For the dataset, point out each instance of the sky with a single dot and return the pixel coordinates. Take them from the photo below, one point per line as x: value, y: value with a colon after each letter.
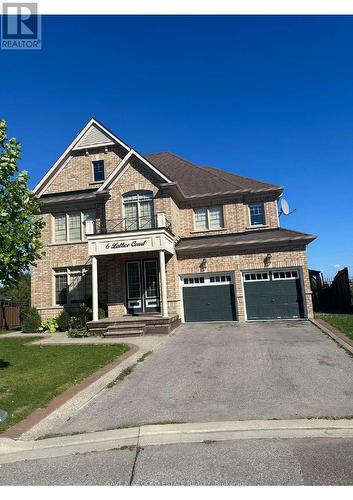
x: 268, y: 97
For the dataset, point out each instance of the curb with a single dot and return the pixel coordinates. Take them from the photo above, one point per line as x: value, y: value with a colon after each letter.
x: 153, y: 435
x: 338, y: 338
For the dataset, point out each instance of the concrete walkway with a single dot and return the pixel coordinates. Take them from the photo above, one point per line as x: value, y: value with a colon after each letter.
x: 61, y: 338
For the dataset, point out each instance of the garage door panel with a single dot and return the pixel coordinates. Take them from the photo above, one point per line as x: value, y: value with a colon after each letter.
x: 209, y: 303
x: 272, y: 299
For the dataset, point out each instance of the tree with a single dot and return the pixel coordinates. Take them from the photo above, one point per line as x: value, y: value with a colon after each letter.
x: 20, y: 222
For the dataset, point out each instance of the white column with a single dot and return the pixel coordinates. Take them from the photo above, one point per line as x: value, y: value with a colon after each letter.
x: 94, y: 288
x: 163, y: 283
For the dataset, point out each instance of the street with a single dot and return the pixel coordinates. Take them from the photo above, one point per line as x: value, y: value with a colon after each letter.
x: 315, y: 461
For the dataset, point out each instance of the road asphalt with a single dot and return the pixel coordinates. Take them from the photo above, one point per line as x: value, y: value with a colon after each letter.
x: 315, y: 461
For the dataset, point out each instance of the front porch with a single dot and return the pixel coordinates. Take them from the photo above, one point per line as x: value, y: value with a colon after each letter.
x: 129, y: 277
x: 130, y: 325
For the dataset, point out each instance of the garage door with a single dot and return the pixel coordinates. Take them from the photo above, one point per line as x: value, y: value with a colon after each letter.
x: 209, y: 298
x: 273, y: 294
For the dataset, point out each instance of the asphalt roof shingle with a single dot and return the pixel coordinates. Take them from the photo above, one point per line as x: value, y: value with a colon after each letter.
x: 196, y: 180
x: 266, y: 237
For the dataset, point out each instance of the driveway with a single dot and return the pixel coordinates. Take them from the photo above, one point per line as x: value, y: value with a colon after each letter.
x: 210, y: 372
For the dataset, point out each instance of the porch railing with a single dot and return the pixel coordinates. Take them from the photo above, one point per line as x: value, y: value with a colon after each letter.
x: 123, y: 225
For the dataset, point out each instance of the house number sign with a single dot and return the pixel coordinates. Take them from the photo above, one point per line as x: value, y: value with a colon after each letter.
x: 123, y: 244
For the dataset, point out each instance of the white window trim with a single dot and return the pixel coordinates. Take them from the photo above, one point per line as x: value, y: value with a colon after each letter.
x: 286, y: 278
x: 256, y: 272
x: 196, y: 230
x: 207, y: 279
x: 67, y: 241
x: 264, y: 220
x: 138, y: 201
x: 93, y: 179
x: 68, y: 271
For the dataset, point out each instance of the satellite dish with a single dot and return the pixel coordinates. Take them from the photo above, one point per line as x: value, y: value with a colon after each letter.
x: 284, y: 206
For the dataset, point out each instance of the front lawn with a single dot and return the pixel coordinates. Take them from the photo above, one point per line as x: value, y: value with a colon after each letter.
x: 3, y: 330
x: 31, y: 376
x: 343, y: 322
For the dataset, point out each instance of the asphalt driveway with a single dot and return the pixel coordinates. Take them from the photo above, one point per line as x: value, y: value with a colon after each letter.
x: 210, y: 372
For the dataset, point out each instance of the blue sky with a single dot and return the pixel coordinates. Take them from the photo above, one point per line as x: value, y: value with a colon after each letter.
x: 268, y: 97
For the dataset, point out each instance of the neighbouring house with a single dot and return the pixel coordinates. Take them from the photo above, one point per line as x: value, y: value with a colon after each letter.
x: 155, y: 240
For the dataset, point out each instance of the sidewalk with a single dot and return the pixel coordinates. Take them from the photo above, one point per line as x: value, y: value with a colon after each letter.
x: 162, y: 434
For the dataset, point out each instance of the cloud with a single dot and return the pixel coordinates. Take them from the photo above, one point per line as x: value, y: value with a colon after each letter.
x: 337, y: 266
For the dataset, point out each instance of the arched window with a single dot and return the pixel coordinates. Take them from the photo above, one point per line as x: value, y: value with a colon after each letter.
x: 138, y: 209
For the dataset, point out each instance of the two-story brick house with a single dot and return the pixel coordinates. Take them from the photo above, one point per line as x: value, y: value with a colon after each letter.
x: 160, y: 237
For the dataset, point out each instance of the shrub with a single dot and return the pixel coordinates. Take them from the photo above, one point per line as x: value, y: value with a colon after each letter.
x: 101, y: 313
x: 50, y: 325
x: 63, y: 321
x: 32, y: 321
x: 78, y: 332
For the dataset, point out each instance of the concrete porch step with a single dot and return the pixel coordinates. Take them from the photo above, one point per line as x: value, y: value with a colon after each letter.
x: 124, y: 331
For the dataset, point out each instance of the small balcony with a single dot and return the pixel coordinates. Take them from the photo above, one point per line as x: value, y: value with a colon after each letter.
x: 126, y: 225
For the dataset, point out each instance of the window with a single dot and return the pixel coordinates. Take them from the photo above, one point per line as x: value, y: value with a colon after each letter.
x: 208, y: 218
x: 72, y: 286
x: 285, y: 275
x: 257, y: 216
x: 71, y: 227
x: 138, y: 208
x: 256, y: 277
x: 75, y: 226
x: 60, y: 228
x: 207, y: 280
x: 98, y: 171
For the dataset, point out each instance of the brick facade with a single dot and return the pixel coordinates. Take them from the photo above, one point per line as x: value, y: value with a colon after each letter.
x: 76, y: 175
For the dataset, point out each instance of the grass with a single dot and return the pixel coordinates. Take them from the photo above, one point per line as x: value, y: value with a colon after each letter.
x: 31, y: 376
x: 3, y: 330
x: 343, y: 322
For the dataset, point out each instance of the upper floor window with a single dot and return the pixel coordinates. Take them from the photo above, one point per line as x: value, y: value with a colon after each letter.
x: 71, y: 227
x: 257, y: 215
x: 138, y: 209
x: 208, y: 218
x: 98, y: 170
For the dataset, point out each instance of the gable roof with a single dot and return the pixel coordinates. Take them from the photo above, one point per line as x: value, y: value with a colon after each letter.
x: 196, y: 181
x: 94, y: 136
x: 184, y: 178
x: 93, y: 130
x: 120, y: 168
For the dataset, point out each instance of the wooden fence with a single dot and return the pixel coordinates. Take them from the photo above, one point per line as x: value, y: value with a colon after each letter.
x: 332, y: 294
x: 9, y: 314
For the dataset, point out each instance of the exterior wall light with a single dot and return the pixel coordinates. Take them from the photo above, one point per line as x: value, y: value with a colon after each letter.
x: 203, y: 265
x: 268, y: 260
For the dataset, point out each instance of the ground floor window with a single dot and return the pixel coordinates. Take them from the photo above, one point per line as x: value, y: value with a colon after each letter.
x: 73, y: 285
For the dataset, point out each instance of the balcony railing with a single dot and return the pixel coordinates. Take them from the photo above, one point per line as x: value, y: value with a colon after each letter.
x: 109, y: 226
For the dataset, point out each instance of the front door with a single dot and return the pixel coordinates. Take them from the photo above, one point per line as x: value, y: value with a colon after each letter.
x: 142, y: 286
